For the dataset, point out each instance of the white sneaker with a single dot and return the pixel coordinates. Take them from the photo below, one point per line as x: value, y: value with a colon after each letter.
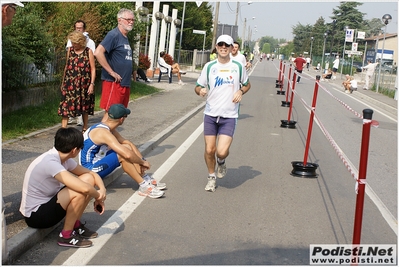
x: 148, y: 80
x: 71, y: 120
x: 154, y: 182
x: 181, y: 83
x: 148, y: 190
x: 211, y: 185
x: 79, y: 121
x: 221, y: 170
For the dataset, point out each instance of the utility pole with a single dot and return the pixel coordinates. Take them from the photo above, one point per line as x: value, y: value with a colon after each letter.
x: 215, y: 25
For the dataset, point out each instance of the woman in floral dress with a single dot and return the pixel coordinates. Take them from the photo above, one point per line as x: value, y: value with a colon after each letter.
x: 77, y: 89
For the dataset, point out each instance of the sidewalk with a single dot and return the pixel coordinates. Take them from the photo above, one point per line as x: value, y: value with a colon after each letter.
x: 152, y: 120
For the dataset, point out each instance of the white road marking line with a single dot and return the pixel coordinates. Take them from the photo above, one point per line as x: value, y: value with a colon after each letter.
x: 82, y: 256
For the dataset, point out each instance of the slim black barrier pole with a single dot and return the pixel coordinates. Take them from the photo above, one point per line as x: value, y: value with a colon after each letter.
x: 286, y: 103
x: 289, y: 123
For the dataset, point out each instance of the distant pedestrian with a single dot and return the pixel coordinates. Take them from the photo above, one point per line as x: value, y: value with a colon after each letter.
x: 236, y: 55
x: 77, y: 89
x: 299, y: 63
x: 370, y: 68
x: 308, y: 63
x: 335, y: 67
x: 213, y: 55
x: 80, y: 25
x: 327, y: 65
x: 224, y: 82
x: 56, y: 187
x: 115, y: 56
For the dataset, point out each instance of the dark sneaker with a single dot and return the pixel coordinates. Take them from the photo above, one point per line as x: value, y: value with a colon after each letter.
x: 85, y: 232
x: 74, y: 241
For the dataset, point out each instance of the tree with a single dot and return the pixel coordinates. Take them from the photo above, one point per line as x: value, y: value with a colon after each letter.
x: 374, y: 27
x: 347, y: 15
x: 195, y: 18
x: 26, y: 41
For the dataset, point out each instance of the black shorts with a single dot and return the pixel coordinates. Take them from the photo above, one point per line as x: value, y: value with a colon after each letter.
x: 335, y: 69
x: 48, y: 214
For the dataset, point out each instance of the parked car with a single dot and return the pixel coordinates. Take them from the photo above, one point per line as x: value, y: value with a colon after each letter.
x: 358, y: 66
x: 388, y: 67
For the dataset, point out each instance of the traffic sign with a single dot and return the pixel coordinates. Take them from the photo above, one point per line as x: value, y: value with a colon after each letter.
x: 199, y: 32
x: 350, y: 52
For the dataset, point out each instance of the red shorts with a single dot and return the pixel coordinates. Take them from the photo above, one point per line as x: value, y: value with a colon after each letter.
x: 114, y: 93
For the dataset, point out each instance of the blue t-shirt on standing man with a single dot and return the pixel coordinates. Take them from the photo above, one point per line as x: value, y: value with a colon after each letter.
x: 119, y: 56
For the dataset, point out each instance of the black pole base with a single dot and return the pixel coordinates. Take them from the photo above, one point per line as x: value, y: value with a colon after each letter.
x: 285, y: 103
x: 288, y: 124
x: 308, y: 171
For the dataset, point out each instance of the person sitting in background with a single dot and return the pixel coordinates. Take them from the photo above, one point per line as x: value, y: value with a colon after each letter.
x: 352, y: 85
x: 347, y: 83
x: 140, y: 72
x: 172, y: 69
x: 326, y: 75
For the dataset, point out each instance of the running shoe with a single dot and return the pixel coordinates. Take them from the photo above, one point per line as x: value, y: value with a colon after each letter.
x: 148, y: 190
x: 221, y: 170
x: 211, y: 185
x: 79, y: 121
x: 154, y: 182
x: 74, y: 241
x: 71, y: 120
x: 85, y: 232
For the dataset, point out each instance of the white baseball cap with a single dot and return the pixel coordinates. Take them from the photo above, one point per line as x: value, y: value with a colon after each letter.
x: 12, y: 3
x: 225, y: 38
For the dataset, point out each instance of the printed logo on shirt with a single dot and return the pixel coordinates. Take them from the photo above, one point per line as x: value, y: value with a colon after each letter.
x: 221, y: 81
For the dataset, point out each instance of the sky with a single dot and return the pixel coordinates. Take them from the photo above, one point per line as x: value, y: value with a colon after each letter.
x: 276, y: 19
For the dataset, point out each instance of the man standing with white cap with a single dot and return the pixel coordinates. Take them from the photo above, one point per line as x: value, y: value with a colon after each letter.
x: 8, y: 10
x: 223, y: 81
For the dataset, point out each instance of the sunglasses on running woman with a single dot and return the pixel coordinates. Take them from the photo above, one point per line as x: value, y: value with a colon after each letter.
x: 223, y: 44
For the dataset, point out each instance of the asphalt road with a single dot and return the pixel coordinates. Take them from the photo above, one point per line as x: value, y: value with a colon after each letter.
x: 259, y: 214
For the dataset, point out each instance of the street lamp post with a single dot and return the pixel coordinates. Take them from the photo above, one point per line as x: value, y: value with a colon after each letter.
x: 386, y: 19
x: 238, y: 10
x: 143, y: 12
x: 311, y: 47
x: 168, y: 20
x: 159, y: 16
x: 324, y: 47
x: 343, y: 51
x: 146, y: 33
x: 181, y: 31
